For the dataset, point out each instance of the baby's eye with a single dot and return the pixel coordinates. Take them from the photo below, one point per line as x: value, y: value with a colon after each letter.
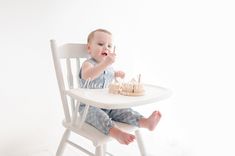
x: 100, y: 44
x: 109, y: 46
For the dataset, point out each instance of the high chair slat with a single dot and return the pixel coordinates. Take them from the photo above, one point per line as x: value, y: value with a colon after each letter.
x: 78, y: 64
x: 69, y: 73
x: 72, y: 50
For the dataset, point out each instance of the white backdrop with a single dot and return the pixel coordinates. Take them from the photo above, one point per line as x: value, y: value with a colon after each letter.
x: 185, y: 45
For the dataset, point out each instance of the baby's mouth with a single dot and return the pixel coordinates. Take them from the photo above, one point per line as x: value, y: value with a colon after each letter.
x: 104, y: 54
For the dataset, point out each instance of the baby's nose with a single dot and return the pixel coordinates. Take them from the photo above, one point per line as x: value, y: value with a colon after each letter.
x: 106, y: 48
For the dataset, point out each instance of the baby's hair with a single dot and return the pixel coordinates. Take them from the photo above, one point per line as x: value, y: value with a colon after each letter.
x: 91, y: 35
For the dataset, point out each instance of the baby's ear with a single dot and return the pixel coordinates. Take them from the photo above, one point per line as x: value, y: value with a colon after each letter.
x: 88, y: 48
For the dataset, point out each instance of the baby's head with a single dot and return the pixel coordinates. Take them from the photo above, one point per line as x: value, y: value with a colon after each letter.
x: 99, y: 44
x: 92, y: 34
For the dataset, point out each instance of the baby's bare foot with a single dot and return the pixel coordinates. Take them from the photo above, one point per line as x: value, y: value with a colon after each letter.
x: 120, y: 136
x: 151, y: 122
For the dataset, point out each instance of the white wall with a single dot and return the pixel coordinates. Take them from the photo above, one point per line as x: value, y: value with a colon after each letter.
x: 187, y: 46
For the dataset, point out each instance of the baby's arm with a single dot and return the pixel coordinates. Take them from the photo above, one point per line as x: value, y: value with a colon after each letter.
x: 120, y: 74
x: 91, y: 71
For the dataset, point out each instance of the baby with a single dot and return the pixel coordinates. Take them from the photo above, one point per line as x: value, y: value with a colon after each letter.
x: 100, y: 73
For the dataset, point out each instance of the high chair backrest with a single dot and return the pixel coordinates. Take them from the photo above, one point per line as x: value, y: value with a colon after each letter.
x: 67, y: 61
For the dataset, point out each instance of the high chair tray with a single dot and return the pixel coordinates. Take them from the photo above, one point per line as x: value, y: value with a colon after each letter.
x: 103, y: 99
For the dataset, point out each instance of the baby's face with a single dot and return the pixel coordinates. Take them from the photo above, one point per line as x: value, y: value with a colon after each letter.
x: 100, y: 46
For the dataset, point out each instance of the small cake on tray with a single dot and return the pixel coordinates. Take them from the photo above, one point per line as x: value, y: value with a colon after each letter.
x: 115, y: 88
x: 132, y: 88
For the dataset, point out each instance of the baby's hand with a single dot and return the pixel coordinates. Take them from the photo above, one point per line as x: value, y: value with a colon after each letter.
x: 120, y: 74
x: 110, y: 58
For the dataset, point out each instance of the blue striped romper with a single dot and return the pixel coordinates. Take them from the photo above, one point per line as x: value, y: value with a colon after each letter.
x: 102, y: 119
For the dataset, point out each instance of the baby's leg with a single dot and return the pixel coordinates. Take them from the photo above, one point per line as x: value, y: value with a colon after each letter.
x: 128, y: 116
x: 132, y: 117
x: 150, y: 122
x: 100, y: 120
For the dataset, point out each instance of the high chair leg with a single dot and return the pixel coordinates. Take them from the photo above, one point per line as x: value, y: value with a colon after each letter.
x: 99, y: 151
x: 62, y: 145
x: 140, y: 143
x: 104, y: 149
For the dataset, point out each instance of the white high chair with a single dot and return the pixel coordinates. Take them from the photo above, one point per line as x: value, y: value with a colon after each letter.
x: 67, y: 60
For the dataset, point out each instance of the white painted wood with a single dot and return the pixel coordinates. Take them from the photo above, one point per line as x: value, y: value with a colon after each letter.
x: 59, y: 75
x: 104, y: 148
x: 73, y: 50
x: 81, y: 148
x: 78, y: 63
x: 140, y: 143
x: 99, y: 151
x: 103, y: 99
x: 84, y: 116
x: 75, y: 113
x: 62, y: 145
x: 70, y: 83
x: 69, y: 73
x: 94, y: 135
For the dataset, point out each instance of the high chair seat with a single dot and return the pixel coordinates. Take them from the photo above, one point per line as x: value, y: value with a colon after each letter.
x: 96, y: 137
